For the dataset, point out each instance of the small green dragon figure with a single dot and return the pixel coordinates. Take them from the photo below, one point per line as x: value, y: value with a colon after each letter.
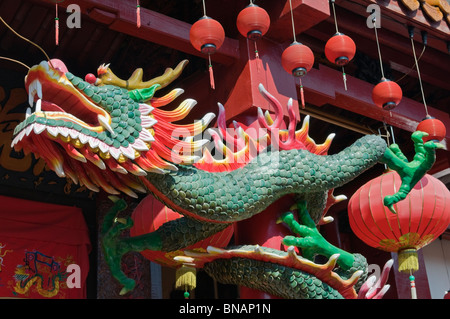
x: 118, y: 136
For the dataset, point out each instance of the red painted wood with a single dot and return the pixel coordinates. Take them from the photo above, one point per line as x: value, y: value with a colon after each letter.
x: 324, y: 85
x: 399, y: 16
x: 307, y: 13
x: 245, y: 77
x: 395, y: 46
x: 175, y: 33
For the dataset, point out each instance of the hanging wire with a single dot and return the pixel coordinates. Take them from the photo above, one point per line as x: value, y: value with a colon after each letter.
x: 334, y: 14
x: 412, y: 68
x: 344, y: 75
x: 388, y: 134
x: 378, y: 46
x: 292, y: 21
x: 418, y: 74
x: 204, y: 8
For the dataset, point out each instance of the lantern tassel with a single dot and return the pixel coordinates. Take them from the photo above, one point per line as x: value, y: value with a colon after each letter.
x: 56, y: 25
x: 211, y: 74
x: 186, y: 278
x: 413, y: 287
x: 408, y: 260
x: 138, y: 14
x: 344, y: 77
x: 302, y: 94
x: 256, y: 56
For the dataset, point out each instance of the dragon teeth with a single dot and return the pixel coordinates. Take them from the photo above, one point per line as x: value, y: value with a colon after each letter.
x: 38, y: 128
x: 128, y: 152
x: 73, y: 134
x: 38, y: 105
x: 31, y: 97
x: 103, y: 147
x: 114, y: 152
x: 53, y: 131
x: 28, y: 112
x: 105, y: 123
x: 28, y: 130
x: 64, y: 131
x: 83, y: 138
x: 34, y: 88
x: 93, y: 142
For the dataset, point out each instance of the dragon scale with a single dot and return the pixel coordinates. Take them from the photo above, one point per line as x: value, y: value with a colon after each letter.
x: 264, y: 180
x: 117, y: 136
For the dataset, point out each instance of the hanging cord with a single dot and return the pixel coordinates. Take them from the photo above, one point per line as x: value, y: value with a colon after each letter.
x: 210, y: 68
x: 412, y: 68
x: 25, y: 39
x: 378, y: 47
x: 418, y: 74
x: 204, y: 8
x: 344, y: 76
x: 387, y: 136
x: 292, y: 21
x: 302, y: 92
x: 425, y: 43
x: 334, y: 14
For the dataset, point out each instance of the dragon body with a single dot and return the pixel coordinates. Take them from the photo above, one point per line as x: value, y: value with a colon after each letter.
x: 117, y: 136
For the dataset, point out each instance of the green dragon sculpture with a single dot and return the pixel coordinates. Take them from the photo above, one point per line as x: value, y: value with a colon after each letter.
x: 116, y: 135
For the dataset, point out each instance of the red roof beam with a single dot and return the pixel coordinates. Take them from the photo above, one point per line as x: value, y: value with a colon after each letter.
x: 121, y: 16
x: 325, y: 86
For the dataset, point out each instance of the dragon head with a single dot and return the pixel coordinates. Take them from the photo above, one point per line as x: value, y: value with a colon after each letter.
x: 107, y: 128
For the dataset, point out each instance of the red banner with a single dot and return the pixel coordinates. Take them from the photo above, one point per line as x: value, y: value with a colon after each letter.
x: 44, y: 250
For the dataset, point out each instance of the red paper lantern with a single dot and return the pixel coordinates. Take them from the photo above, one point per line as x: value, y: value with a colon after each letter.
x: 150, y: 214
x: 253, y: 22
x: 297, y: 59
x: 340, y: 49
x: 436, y: 129
x: 421, y: 217
x: 207, y: 35
x: 387, y: 94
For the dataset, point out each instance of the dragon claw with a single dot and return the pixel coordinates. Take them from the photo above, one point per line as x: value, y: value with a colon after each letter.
x: 309, y: 238
x: 409, y: 172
